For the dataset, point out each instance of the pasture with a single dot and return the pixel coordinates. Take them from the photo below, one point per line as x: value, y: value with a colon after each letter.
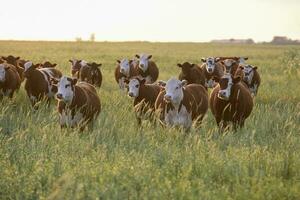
x: 117, y: 160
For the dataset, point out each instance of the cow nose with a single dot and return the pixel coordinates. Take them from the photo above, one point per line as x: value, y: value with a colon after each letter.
x: 122, y: 70
x: 222, y: 93
x: 141, y: 65
x: 59, y: 96
x: 209, y: 70
x: 130, y: 94
x: 167, y: 97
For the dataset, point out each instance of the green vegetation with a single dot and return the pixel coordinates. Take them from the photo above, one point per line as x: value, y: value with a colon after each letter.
x: 117, y: 160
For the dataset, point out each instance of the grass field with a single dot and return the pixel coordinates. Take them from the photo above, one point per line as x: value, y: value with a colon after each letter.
x: 117, y: 160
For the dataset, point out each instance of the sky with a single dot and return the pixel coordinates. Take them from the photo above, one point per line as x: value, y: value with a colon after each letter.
x: 152, y: 20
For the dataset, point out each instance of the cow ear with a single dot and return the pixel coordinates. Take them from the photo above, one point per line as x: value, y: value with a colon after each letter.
x: 149, y: 57
x: 179, y: 65
x: 6, y: 67
x: 184, y: 83
x: 245, y: 58
x: 99, y: 65
x: 161, y: 83
x: 118, y: 61
x: 203, y: 60
x: 17, y: 58
x: 36, y: 65
x: 223, y: 63
x: 241, y: 67
x: 193, y: 65
x: 217, y: 59
x: 137, y: 56
x: 74, y: 81
x: 216, y: 79
x: 130, y: 61
x: 71, y: 61
x: 126, y: 81
x: 236, y: 79
x: 255, y: 68
x: 54, y: 65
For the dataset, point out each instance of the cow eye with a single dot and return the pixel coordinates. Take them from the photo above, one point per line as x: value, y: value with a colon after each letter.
x: 136, y: 86
x: 177, y: 88
x: 67, y: 86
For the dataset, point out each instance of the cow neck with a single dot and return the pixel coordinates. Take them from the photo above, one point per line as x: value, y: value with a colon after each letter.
x: 142, y: 73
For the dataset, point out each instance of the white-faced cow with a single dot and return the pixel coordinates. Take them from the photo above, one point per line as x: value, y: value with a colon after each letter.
x: 232, y: 63
x: 181, y: 104
x: 78, y: 103
x: 251, y: 78
x: 192, y: 73
x: 230, y: 101
x: 38, y: 85
x: 144, y: 98
x: 9, y: 80
x: 124, y: 71
x: 212, y: 68
x: 146, y: 68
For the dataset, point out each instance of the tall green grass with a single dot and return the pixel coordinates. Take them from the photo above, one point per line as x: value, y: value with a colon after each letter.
x: 118, y: 160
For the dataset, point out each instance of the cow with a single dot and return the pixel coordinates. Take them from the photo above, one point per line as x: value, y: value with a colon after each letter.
x: 78, y: 103
x: 76, y: 66
x: 211, y: 68
x: 232, y: 63
x: 124, y: 71
x: 180, y: 104
x: 146, y: 68
x: 91, y: 73
x: 230, y: 101
x: 38, y: 82
x: 48, y: 64
x: 251, y: 78
x: 144, y: 97
x: 192, y: 73
x: 17, y: 63
x: 10, y: 80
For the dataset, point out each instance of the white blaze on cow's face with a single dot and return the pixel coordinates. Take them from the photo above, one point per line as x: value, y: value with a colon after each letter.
x: 249, y: 72
x: 134, y: 87
x: 144, y: 61
x: 2, y: 73
x: 210, y: 65
x: 226, y: 84
x: 65, y: 89
x: 174, y: 92
x: 125, y: 66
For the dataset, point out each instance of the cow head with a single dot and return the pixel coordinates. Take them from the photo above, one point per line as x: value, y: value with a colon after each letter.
x: 76, y: 65
x: 125, y: 66
x: 65, y: 88
x: 228, y: 63
x: 3, y: 69
x: 143, y: 61
x: 94, y: 70
x: 11, y: 59
x: 29, y: 67
x: 242, y: 60
x: 174, y: 91
x: 210, y: 63
x: 134, y: 86
x: 48, y: 64
x: 249, y: 73
x: 226, y: 83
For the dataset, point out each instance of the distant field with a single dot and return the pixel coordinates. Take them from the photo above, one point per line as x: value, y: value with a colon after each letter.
x: 117, y: 160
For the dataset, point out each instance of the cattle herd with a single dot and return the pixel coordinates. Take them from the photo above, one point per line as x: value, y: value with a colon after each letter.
x: 179, y: 102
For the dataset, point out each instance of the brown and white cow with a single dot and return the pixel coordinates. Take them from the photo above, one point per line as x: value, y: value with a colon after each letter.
x: 192, y: 73
x: 144, y: 98
x: 181, y: 104
x: 211, y: 68
x: 230, y: 101
x: 251, y: 78
x: 146, y: 68
x: 124, y: 71
x: 232, y: 63
x: 78, y: 103
x: 76, y: 66
x: 38, y: 85
x: 9, y: 80
x: 91, y: 73
x: 17, y: 63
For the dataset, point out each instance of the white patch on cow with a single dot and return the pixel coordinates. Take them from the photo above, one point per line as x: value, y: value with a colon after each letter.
x: 64, y: 87
x: 225, y: 93
x: 242, y: 61
x: 83, y: 63
x: 248, y: 73
x: 125, y: 67
x: 134, y: 87
x: 66, y: 119
x: 48, y: 71
x: 210, y: 83
x: 144, y: 62
x: 210, y: 65
x: 27, y: 65
x: 2, y: 73
x: 178, y: 118
x: 228, y: 62
x: 148, y: 80
x: 122, y: 83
